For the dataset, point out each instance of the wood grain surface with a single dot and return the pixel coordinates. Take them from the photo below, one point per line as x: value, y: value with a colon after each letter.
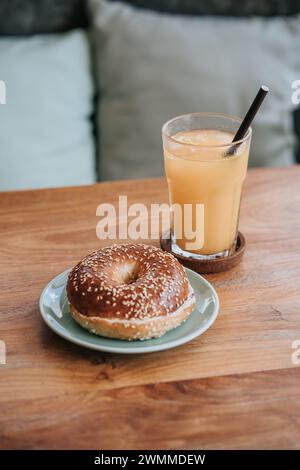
x: 235, y: 386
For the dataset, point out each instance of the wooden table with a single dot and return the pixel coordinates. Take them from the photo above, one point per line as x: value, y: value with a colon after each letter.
x: 234, y: 387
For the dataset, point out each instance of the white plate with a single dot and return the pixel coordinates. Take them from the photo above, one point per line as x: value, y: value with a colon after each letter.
x: 55, y: 311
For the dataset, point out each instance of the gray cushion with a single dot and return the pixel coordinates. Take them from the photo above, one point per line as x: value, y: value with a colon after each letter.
x: 153, y: 67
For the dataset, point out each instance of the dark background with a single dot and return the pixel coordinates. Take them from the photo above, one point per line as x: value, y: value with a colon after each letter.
x: 25, y: 17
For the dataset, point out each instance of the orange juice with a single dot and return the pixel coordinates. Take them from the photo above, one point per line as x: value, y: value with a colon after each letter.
x: 199, y: 172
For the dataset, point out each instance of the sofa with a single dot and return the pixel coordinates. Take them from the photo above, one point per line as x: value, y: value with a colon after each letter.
x: 75, y: 110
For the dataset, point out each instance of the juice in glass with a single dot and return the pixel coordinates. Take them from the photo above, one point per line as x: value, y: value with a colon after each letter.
x: 200, y: 170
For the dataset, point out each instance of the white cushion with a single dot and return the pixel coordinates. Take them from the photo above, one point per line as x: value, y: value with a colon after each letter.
x: 46, y: 133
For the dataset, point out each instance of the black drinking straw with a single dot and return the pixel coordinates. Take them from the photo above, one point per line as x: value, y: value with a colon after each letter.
x: 246, y: 123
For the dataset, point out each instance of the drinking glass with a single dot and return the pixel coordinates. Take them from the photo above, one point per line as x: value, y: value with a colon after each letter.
x: 205, y: 174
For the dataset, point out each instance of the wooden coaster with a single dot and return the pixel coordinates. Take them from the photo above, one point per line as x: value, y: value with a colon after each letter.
x: 209, y: 266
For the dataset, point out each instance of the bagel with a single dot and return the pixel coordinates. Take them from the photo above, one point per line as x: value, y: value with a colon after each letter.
x: 129, y: 291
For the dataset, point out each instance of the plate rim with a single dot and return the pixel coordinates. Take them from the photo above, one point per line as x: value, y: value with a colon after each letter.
x: 132, y: 350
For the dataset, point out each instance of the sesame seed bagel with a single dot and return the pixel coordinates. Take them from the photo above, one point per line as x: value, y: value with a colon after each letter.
x: 129, y: 291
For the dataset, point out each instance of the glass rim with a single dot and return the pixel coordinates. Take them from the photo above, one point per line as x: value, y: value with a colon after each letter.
x: 203, y: 114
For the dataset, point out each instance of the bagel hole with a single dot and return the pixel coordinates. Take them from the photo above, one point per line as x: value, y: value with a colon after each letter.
x: 126, y: 273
